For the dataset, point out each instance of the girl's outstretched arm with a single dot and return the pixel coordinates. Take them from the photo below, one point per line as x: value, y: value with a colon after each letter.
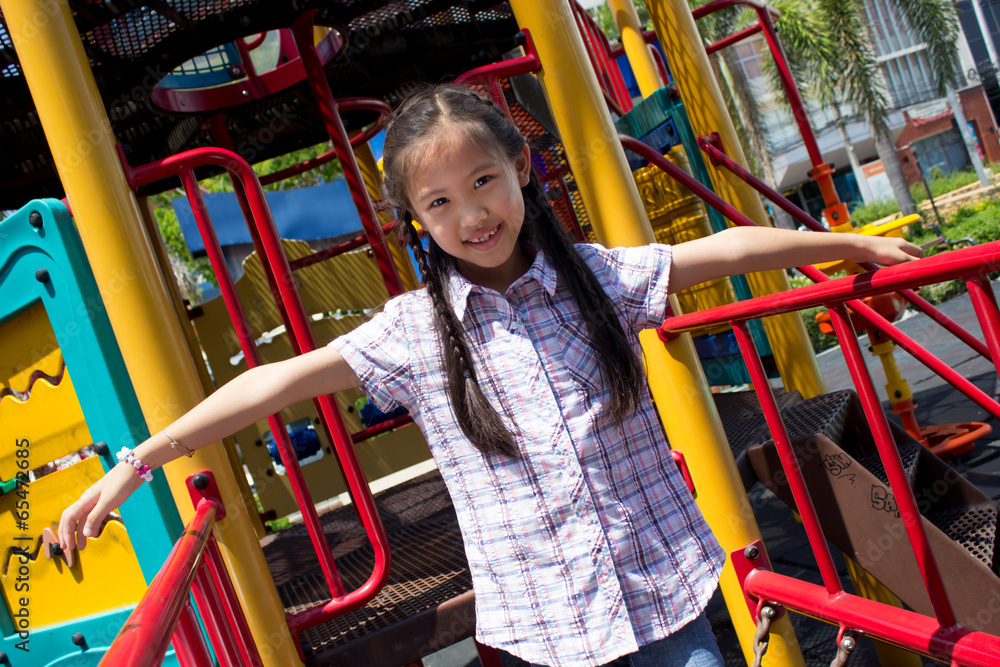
x: 255, y: 394
x: 747, y: 249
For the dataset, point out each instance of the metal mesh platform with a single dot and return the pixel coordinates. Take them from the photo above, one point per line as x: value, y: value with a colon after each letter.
x: 428, y: 564
x: 744, y: 424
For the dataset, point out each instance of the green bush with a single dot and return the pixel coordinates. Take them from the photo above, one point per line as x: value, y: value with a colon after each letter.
x: 979, y: 222
x: 941, y: 183
x: 820, y: 341
x: 866, y: 213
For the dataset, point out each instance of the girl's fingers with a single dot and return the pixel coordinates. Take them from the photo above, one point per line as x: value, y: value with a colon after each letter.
x: 92, y: 525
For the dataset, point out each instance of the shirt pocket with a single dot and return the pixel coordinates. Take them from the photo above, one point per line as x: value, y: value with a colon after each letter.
x: 579, y: 356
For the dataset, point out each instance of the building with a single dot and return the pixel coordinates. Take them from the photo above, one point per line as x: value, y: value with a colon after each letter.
x: 921, y: 122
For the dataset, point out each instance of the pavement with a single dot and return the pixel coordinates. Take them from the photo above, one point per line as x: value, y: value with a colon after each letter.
x: 936, y: 401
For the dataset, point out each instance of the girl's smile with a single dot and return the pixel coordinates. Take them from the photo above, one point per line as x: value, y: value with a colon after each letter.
x: 471, y: 204
x: 482, y: 242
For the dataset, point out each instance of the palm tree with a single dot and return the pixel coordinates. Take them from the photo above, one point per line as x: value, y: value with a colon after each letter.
x: 829, y: 46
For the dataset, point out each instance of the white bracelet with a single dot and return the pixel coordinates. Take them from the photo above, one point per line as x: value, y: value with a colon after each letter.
x: 128, y: 456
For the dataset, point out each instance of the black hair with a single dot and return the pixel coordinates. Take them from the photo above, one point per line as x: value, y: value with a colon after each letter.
x: 418, y: 119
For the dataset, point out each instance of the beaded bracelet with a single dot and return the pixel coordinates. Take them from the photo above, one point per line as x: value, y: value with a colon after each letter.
x: 176, y: 445
x: 129, y: 457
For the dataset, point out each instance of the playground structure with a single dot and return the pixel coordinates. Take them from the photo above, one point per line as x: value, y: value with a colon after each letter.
x: 91, y: 84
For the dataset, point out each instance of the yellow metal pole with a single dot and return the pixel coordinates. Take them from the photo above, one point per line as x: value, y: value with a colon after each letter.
x: 639, y: 57
x: 373, y: 183
x: 137, y: 300
x: 706, y: 109
x: 675, y: 377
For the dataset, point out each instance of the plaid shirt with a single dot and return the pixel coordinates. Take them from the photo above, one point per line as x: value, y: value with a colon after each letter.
x: 589, y: 545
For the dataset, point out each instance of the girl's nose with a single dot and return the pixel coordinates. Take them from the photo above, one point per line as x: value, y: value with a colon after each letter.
x: 474, y: 216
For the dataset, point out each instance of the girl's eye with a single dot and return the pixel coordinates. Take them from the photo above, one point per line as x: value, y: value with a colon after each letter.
x: 482, y: 180
x: 438, y: 202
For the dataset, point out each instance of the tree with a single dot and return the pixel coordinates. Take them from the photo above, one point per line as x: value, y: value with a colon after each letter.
x: 829, y: 46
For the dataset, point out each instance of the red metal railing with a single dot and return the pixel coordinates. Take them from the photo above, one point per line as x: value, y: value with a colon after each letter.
x: 940, y: 637
x: 302, y: 31
x: 821, y: 172
x: 599, y: 51
x: 714, y: 151
x: 865, y: 312
x: 164, y: 614
x: 298, y: 325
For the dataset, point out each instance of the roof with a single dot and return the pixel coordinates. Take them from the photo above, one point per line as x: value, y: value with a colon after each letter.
x: 384, y: 46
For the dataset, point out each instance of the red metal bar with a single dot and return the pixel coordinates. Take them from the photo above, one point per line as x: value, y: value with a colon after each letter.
x: 712, y: 7
x: 599, y: 63
x: 344, y: 104
x: 333, y: 251
x: 738, y: 36
x: 796, y: 482
x: 719, y: 157
x: 302, y: 30
x: 898, y: 626
x: 937, y: 268
x: 234, y: 611
x: 773, y: 304
x: 381, y: 427
x: 188, y: 642
x: 894, y: 470
x: 985, y: 303
x: 249, y: 346
x: 602, y: 49
x: 660, y: 64
x: 206, y: 598
x: 144, y: 638
x: 220, y: 133
x: 302, y: 331
x: 506, y: 68
x: 821, y: 173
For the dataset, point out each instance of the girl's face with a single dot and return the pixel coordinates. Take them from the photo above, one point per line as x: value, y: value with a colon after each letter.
x: 470, y: 202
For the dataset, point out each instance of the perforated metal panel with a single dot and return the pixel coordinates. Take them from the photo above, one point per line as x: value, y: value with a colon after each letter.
x: 131, y: 46
x: 428, y: 561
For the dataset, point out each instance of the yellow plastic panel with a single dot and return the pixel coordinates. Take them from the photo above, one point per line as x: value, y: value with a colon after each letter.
x: 29, y: 345
x: 105, y: 575
x: 50, y: 419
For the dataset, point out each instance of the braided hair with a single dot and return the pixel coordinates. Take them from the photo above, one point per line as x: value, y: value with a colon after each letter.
x: 457, y: 108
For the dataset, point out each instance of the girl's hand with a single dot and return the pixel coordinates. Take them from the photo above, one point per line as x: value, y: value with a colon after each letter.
x: 886, y: 250
x: 83, y: 518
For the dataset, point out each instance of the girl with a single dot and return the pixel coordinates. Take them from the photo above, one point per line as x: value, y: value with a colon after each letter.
x: 519, y: 360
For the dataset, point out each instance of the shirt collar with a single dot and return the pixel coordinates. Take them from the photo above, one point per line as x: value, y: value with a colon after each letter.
x: 459, y: 288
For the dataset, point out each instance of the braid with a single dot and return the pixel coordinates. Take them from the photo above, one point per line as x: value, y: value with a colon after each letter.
x: 621, y: 371
x: 476, y: 416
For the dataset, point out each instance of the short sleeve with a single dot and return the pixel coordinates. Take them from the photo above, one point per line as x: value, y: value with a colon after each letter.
x: 637, y: 280
x: 379, y: 354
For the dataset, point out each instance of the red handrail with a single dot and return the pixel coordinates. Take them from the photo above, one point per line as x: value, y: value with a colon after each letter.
x: 822, y: 173
x: 298, y: 326
x: 719, y: 158
x: 942, y: 638
x: 865, y: 312
x: 164, y: 613
x: 302, y: 31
